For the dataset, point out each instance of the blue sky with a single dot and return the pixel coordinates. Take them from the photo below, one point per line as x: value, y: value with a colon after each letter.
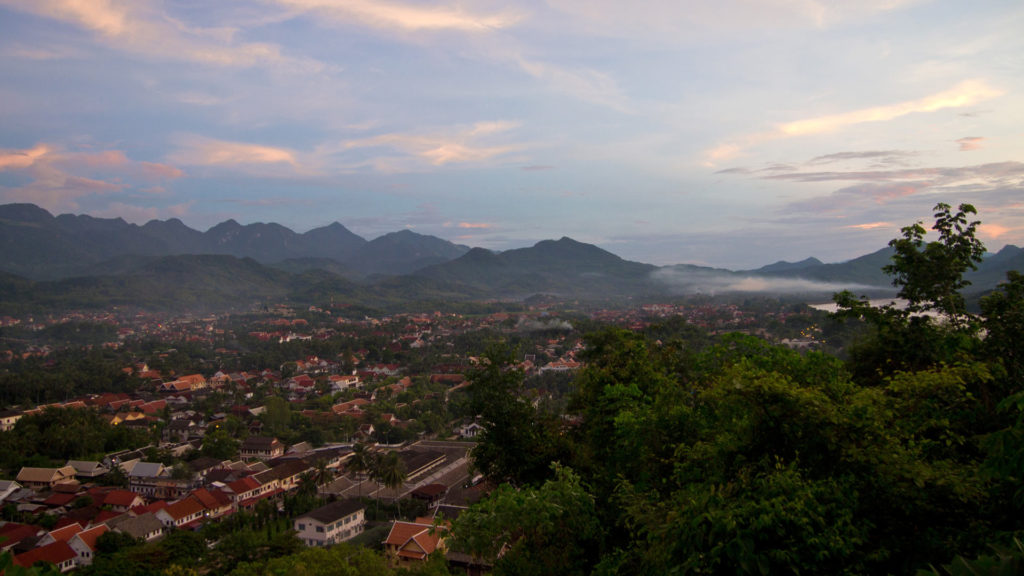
x: 732, y: 133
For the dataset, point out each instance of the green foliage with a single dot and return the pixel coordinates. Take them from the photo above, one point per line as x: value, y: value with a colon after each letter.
x: 519, y: 442
x: 341, y: 560
x: 931, y: 275
x: 220, y: 444
x: 62, y: 434
x: 551, y: 529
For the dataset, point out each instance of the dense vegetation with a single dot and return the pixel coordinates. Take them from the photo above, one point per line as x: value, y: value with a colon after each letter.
x: 744, y: 458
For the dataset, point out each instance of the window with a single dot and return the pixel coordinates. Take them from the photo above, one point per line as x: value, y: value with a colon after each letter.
x: 302, y: 526
x: 320, y: 529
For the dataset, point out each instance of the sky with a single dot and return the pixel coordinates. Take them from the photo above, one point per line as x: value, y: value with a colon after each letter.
x: 731, y: 133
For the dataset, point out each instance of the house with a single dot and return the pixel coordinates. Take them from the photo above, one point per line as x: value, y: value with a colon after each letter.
x: 8, y: 418
x: 63, y: 534
x: 145, y: 526
x: 184, y: 513
x: 409, y: 542
x: 58, y: 553
x: 122, y: 500
x: 13, y: 534
x: 84, y: 544
x: 471, y: 430
x: 287, y: 474
x: 336, y: 522
x: 7, y: 488
x: 432, y: 494
x: 41, y: 478
x: 86, y: 469
x: 246, y: 492
x: 260, y: 448
x: 216, y: 503
x: 342, y: 382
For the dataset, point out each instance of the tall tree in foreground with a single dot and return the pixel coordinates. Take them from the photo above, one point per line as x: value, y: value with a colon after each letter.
x: 930, y: 277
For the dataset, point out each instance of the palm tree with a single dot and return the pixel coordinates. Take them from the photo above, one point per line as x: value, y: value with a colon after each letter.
x: 361, y: 461
x: 391, y: 472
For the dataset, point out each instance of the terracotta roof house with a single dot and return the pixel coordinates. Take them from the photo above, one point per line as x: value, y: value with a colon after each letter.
x: 182, y: 514
x: 216, y: 503
x: 336, y: 522
x: 409, y: 542
x: 246, y: 492
x: 84, y: 544
x: 59, y: 554
x: 123, y: 500
x: 39, y: 478
x: 12, y: 534
x: 61, y: 534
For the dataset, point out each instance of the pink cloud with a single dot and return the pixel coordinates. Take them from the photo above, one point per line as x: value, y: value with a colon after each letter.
x: 19, y: 159
x: 58, y: 177
x: 160, y: 171
x: 869, y: 225
x: 474, y: 225
x: 104, y: 159
x: 970, y: 143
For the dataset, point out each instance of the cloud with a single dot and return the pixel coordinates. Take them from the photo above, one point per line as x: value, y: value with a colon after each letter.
x: 450, y: 146
x: 993, y: 173
x: 880, y: 156
x: 57, y: 178
x: 966, y: 93
x: 970, y: 143
x: 19, y: 159
x: 585, y: 84
x: 994, y: 230
x: 869, y: 225
x: 537, y: 168
x: 202, y: 151
x: 695, y: 280
x: 673, y: 22
x: 475, y: 225
x: 140, y: 28
x: 406, y: 17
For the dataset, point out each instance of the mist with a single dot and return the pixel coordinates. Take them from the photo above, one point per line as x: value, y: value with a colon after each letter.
x: 712, y: 282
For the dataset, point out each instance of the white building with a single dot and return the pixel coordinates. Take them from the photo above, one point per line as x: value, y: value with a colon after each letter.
x: 336, y: 522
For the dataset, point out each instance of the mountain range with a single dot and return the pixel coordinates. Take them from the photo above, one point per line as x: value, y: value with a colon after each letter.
x: 81, y: 261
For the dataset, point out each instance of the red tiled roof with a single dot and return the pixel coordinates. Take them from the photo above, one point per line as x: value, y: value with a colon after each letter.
x: 66, y: 533
x: 59, y: 499
x: 55, y: 553
x: 88, y: 537
x: 122, y: 498
x: 184, y: 508
x: 243, y: 485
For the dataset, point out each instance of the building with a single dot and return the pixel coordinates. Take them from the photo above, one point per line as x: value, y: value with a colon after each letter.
x: 336, y: 522
x: 41, y: 478
x: 260, y: 448
x: 410, y: 542
x: 8, y: 418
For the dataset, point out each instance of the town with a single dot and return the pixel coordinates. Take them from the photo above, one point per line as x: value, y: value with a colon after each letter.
x: 325, y: 423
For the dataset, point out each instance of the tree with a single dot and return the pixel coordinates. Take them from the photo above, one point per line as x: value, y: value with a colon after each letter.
x: 360, y: 462
x: 518, y: 443
x: 219, y: 444
x: 930, y: 276
x: 389, y: 470
x: 550, y: 529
